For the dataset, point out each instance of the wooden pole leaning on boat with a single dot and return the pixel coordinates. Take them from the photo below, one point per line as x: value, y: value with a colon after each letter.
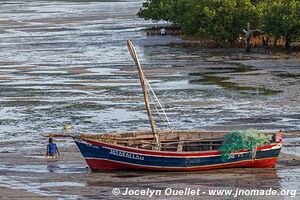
x: 145, y: 92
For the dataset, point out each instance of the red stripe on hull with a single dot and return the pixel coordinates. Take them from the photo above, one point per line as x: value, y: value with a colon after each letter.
x: 108, y: 165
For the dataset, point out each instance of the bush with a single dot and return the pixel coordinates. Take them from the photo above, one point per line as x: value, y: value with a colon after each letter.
x: 224, y: 20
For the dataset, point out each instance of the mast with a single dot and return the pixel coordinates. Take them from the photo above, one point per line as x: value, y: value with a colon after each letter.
x: 145, y: 91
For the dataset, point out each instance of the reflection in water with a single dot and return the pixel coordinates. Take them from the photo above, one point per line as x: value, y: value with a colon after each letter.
x: 52, y: 167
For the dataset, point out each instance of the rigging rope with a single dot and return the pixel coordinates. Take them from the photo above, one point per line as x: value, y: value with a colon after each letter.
x: 165, y: 117
x: 161, y: 117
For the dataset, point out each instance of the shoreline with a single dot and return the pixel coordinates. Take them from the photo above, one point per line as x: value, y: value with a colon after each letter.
x: 203, y: 43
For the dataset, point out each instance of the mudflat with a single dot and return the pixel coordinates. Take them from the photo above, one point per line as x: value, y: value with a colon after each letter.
x: 67, y: 61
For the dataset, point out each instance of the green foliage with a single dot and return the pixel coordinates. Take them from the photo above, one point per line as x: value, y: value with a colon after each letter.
x: 282, y: 18
x: 243, y: 140
x: 156, y: 10
x: 224, y: 20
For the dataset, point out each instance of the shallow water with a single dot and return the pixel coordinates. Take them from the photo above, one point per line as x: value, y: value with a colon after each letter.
x: 67, y: 61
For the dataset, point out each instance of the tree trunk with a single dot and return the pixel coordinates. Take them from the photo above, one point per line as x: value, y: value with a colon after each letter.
x: 287, y: 42
x: 265, y: 41
x: 248, y: 46
x: 275, y: 42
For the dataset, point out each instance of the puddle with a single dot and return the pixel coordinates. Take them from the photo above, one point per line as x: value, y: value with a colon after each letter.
x: 121, y: 115
x: 178, y: 85
x: 8, y: 149
x: 292, y: 146
x: 61, y: 184
x: 15, y: 182
x: 102, y: 71
x: 48, y: 72
x: 50, y: 167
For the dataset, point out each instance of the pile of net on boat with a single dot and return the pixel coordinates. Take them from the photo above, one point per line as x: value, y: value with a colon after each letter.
x: 248, y: 139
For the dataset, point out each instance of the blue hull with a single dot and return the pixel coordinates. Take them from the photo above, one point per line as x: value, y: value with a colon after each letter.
x: 114, y: 158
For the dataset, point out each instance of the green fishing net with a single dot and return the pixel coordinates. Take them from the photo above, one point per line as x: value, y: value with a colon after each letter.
x: 247, y: 139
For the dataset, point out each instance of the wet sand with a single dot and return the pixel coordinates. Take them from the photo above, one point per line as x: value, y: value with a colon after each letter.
x: 8, y: 193
x: 68, y: 178
x: 66, y: 61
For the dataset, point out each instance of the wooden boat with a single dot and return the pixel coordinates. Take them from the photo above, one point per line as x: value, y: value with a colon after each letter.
x: 169, y: 150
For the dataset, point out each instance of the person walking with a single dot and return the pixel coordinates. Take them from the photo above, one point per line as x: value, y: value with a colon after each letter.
x: 52, y: 150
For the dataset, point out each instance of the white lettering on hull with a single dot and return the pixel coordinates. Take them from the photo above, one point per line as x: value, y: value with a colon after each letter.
x: 125, y: 154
